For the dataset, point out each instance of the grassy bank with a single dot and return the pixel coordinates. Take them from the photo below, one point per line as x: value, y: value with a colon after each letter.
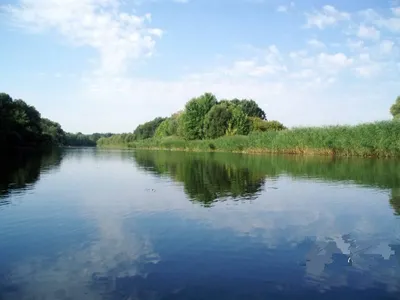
x: 379, y: 139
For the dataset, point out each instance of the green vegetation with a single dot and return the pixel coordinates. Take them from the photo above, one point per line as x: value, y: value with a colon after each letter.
x: 21, y: 126
x: 380, y: 139
x: 395, y: 109
x: 210, y: 177
x: 240, y: 126
x: 84, y: 140
x: 203, y: 118
x: 207, y: 124
x: 147, y: 130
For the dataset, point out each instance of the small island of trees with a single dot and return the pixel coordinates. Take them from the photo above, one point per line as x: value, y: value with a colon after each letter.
x: 203, y: 118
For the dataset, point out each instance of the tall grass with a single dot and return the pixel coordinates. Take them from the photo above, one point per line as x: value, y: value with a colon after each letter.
x: 379, y: 139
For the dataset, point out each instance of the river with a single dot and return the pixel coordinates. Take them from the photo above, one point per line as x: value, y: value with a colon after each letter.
x: 139, y: 225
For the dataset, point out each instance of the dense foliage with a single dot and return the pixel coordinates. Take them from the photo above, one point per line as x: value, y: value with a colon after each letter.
x: 169, y: 126
x: 395, y: 109
x: 249, y: 107
x: 260, y: 125
x: 53, y: 132
x: 216, y: 121
x: 117, y: 140
x: 194, y: 116
x: 84, y: 140
x: 204, y: 117
x: 147, y: 130
x: 21, y: 125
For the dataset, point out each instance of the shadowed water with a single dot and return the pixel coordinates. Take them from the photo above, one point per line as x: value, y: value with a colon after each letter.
x: 111, y: 224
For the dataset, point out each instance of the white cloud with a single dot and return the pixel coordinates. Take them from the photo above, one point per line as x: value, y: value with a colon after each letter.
x: 392, y: 24
x: 389, y: 23
x: 367, y: 70
x: 396, y: 11
x: 303, y: 74
x: 118, y: 37
x: 322, y: 61
x: 386, y: 46
x: 281, y: 86
x: 298, y: 54
x: 285, y: 83
x: 366, y: 67
x: 369, y: 15
x: 285, y: 8
x: 368, y: 32
x: 282, y: 8
x: 334, y: 61
x: 355, y: 45
x: 316, y: 43
x: 269, y: 62
x: 325, y: 17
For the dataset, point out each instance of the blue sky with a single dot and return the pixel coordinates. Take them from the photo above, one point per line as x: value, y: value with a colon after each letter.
x: 108, y: 65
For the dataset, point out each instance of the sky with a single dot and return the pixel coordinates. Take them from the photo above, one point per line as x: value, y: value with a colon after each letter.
x: 109, y: 65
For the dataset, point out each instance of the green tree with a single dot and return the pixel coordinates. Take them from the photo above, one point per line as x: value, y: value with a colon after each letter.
x: 148, y: 129
x: 86, y: 140
x: 194, y: 116
x: 239, y: 123
x: 395, y: 109
x: 168, y: 127
x: 6, y: 108
x: 216, y: 121
x: 249, y: 107
x: 53, y: 132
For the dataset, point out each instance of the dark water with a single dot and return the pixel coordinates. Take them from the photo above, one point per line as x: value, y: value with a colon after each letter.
x: 97, y: 224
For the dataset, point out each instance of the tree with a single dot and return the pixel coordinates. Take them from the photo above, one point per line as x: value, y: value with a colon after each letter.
x: 87, y: 140
x: 27, y: 117
x: 216, y: 121
x: 250, y: 108
x: 6, y: 107
x: 395, y: 109
x: 194, y: 116
x: 22, y: 125
x: 239, y: 123
x: 148, y: 129
x: 168, y: 127
x: 53, y: 131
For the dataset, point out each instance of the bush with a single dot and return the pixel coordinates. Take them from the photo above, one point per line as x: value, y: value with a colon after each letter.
x: 260, y: 125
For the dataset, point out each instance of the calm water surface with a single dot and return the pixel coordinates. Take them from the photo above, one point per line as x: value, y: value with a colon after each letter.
x: 100, y: 224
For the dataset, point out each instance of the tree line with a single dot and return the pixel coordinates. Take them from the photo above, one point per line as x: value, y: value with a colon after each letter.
x: 203, y: 117
x: 21, y: 125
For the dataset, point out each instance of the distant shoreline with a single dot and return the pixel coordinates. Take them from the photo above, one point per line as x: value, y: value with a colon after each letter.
x: 379, y: 139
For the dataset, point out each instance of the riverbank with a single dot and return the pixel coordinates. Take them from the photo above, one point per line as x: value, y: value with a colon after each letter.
x: 379, y: 139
